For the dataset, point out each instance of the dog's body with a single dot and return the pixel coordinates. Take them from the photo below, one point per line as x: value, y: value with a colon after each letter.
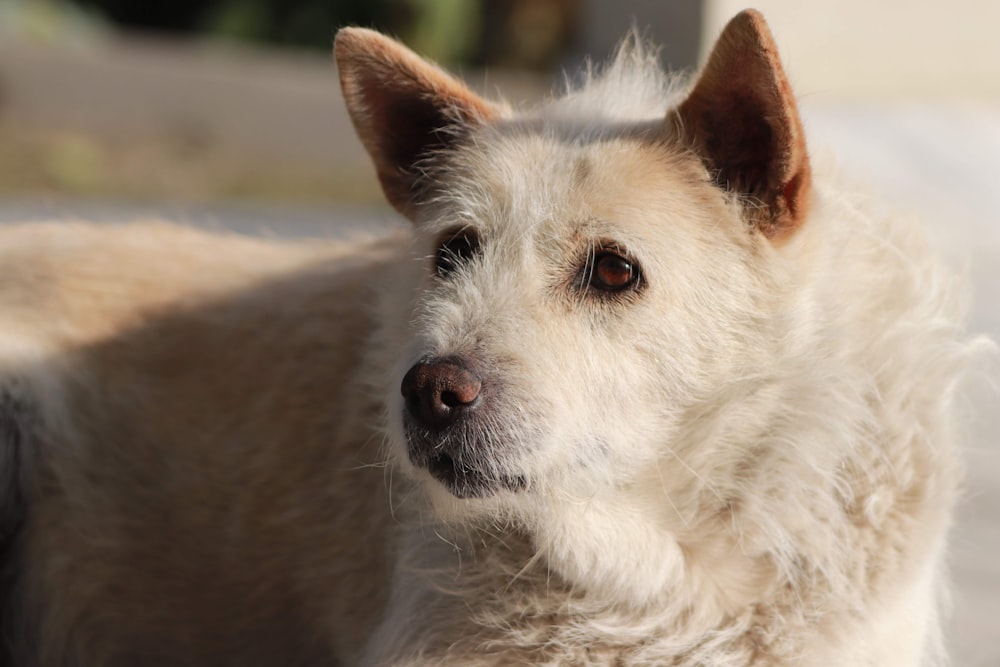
x: 639, y: 390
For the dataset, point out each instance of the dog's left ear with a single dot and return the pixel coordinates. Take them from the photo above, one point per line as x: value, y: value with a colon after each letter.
x: 405, y: 110
x: 742, y: 120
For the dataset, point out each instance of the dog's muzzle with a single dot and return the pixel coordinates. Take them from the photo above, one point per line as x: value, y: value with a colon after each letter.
x: 442, y: 397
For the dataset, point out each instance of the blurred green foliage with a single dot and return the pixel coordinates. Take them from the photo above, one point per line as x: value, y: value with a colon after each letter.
x: 304, y: 23
x: 49, y: 21
x: 512, y: 33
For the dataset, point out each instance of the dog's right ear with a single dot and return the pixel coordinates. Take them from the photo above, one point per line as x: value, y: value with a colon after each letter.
x: 742, y: 119
x: 405, y: 110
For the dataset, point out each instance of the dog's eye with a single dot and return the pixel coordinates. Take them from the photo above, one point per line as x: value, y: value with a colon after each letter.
x: 612, y: 272
x: 454, y: 249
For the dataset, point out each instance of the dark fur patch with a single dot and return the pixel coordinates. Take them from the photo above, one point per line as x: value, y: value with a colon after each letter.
x: 16, y: 419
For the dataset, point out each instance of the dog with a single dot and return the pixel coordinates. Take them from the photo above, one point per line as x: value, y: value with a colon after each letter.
x: 641, y: 385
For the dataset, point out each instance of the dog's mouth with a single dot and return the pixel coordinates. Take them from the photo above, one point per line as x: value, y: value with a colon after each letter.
x: 461, y: 479
x: 467, y: 482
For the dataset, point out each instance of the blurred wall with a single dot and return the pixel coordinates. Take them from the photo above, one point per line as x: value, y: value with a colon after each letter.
x: 880, y: 49
x: 86, y: 109
x: 676, y: 26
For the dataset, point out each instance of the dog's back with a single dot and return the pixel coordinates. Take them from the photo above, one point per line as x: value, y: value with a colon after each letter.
x: 172, y: 403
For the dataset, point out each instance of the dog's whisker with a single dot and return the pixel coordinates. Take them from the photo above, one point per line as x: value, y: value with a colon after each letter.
x: 668, y: 496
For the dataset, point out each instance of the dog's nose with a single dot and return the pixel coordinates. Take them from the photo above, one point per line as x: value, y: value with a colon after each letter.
x: 438, y: 391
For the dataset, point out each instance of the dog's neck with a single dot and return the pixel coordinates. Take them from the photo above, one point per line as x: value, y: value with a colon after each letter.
x: 626, y: 552
x: 583, y: 566
x: 633, y: 550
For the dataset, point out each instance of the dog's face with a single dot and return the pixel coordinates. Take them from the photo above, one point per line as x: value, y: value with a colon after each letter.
x: 578, y: 285
x: 564, y: 315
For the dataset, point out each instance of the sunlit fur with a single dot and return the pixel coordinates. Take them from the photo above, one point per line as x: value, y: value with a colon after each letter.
x: 749, y: 459
x: 749, y: 462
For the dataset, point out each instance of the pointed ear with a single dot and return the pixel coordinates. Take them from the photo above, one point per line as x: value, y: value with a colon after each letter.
x: 404, y: 108
x: 742, y: 120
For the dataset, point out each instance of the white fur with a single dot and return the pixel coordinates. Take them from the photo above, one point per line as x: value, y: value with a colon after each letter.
x: 751, y: 463
x: 747, y: 460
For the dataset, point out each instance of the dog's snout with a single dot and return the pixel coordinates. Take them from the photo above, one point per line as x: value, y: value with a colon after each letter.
x: 438, y: 391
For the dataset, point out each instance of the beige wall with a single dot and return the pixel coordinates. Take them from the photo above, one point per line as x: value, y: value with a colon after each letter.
x: 881, y: 48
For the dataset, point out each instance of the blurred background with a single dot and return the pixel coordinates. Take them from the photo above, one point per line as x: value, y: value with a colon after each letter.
x: 237, y: 100
x: 227, y: 113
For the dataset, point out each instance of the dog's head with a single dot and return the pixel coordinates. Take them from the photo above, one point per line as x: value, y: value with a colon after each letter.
x: 586, y: 276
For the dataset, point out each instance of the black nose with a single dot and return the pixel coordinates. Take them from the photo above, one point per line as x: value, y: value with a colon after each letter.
x: 439, y: 391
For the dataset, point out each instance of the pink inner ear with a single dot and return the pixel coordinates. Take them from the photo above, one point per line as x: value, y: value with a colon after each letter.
x: 791, y: 195
x: 405, y: 110
x: 742, y: 119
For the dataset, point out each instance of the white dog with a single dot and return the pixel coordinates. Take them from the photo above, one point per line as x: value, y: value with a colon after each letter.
x: 643, y: 387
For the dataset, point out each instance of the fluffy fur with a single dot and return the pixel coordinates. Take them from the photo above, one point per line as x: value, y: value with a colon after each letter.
x: 746, y: 459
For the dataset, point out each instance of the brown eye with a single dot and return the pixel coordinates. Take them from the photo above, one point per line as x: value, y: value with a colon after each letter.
x: 455, y: 249
x: 613, y: 273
